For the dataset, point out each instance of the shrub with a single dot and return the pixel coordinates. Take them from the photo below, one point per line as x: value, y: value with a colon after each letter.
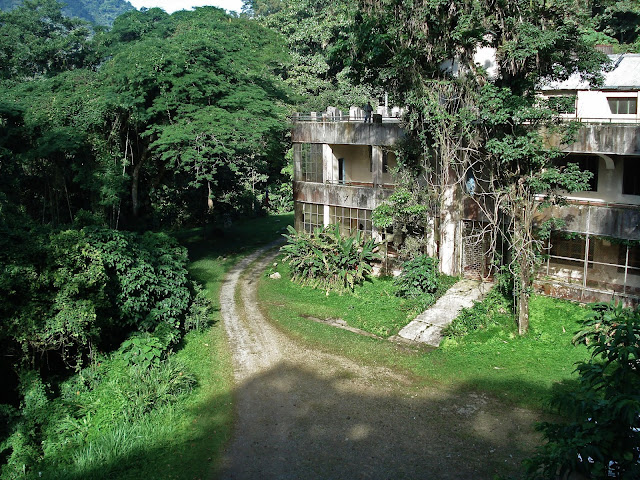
x: 328, y: 260
x: 601, y: 437
x: 198, y: 317
x: 419, y: 276
x: 142, y: 350
x: 147, y: 389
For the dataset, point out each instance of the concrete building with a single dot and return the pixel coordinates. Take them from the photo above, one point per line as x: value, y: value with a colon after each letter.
x: 597, y: 254
x: 342, y: 172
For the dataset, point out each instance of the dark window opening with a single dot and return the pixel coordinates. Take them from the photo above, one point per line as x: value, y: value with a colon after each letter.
x: 569, y: 248
x: 623, y: 105
x: 341, y: 175
x: 631, y: 176
x: 586, y: 163
x: 385, y: 162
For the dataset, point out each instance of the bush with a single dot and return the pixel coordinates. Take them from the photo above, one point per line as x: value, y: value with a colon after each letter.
x: 328, y: 260
x: 147, y: 389
x: 419, y: 276
x: 601, y: 437
x: 142, y: 350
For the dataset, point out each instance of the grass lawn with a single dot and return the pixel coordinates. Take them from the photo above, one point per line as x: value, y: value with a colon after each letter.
x: 522, y: 370
x: 372, y: 307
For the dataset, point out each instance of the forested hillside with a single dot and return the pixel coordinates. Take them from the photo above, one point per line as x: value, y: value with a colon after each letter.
x: 111, y: 139
x: 99, y: 12
x: 163, y: 122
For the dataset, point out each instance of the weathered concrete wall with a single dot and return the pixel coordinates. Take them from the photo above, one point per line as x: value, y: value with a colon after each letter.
x: 618, y: 139
x: 340, y: 195
x: 346, y: 133
x: 610, y: 221
x: 561, y: 290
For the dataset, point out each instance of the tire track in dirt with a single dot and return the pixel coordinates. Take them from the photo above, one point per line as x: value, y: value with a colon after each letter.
x: 253, y: 340
x: 306, y: 414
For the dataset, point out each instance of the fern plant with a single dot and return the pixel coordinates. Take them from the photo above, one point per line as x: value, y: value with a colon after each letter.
x: 326, y: 259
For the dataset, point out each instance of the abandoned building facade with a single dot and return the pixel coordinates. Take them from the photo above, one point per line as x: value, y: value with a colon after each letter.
x: 342, y: 171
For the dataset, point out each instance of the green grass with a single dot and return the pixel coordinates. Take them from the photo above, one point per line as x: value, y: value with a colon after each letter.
x: 179, y: 438
x: 164, y: 429
x: 371, y: 307
x: 522, y: 370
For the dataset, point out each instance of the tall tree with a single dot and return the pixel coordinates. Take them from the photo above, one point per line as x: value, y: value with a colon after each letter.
x: 195, y: 96
x: 313, y: 30
x: 38, y: 40
x: 98, y: 12
x: 472, y: 124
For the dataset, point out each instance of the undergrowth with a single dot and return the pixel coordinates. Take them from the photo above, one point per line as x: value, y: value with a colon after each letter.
x: 372, y: 306
x: 158, y: 407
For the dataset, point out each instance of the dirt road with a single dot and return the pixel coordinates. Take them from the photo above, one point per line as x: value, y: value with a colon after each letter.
x: 305, y: 414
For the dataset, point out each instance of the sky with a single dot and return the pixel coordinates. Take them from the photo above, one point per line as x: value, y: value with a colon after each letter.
x: 171, y: 6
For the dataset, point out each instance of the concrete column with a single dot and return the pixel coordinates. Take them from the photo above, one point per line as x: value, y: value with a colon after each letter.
x: 448, y: 224
x: 432, y: 244
x: 329, y: 164
x: 376, y: 165
x: 297, y: 162
x: 330, y: 169
x: 327, y: 219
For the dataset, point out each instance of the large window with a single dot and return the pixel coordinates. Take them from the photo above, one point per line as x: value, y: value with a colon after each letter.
x: 311, y: 215
x: 631, y: 178
x: 623, y: 105
x: 351, y: 219
x: 311, y: 162
x: 568, y: 250
x: 609, y: 266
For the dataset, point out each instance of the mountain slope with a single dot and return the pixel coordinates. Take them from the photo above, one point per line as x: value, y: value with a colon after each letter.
x: 100, y: 12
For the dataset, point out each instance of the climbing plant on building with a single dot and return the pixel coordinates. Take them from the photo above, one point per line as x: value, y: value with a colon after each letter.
x: 473, y: 124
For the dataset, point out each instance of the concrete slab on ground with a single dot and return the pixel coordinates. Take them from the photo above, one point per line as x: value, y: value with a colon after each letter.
x: 427, y: 327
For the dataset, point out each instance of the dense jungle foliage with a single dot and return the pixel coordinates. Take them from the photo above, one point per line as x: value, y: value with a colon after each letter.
x: 160, y: 122
x: 106, y: 137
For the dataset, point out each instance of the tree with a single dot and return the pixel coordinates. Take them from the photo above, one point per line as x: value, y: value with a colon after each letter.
x: 312, y: 30
x: 101, y: 12
x: 601, y: 434
x: 38, y: 40
x: 203, y: 105
x: 469, y: 124
x: 620, y: 19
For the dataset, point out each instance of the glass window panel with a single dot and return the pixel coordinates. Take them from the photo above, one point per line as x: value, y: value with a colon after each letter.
x: 623, y: 105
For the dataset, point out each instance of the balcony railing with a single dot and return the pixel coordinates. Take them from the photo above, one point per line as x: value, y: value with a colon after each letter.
x: 599, y: 120
x: 353, y: 183
x: 321, y: 117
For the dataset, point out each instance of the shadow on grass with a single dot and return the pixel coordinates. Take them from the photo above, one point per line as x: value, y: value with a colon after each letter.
x: 235, y: 240
x: 296, y: 422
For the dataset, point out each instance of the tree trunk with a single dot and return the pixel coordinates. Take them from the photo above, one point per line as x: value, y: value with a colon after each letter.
x: 523, y: 300
x: 135, y: 182
x: 523, y: 277
x: 209, y: 198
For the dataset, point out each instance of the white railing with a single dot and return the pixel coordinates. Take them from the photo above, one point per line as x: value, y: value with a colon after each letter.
x: 324, y: 117
x: 599, y: 120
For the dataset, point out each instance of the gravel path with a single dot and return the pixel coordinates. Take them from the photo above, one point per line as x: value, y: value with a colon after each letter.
x: 306, y: 414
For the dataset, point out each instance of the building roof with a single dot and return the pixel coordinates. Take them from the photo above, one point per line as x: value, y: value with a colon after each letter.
x: 625, y: 75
